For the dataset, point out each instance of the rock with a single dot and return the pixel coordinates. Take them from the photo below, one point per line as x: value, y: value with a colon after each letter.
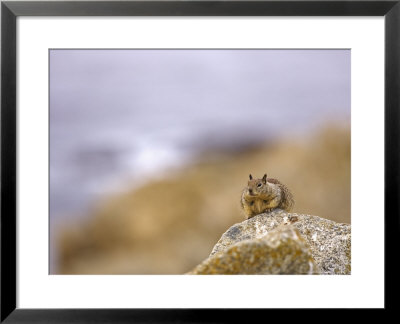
x: 329, y: 242
x: 282, y: 251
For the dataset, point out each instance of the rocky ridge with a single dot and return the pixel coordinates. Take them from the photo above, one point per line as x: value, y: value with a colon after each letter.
x: 281, y: 243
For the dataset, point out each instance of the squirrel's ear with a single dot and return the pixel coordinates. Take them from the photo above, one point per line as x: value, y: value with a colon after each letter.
x: 264, y: 179
x: 251, y: 177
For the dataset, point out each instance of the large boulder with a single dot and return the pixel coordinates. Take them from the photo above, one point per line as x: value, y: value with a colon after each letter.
x: 282, y: 251
x: 329, y: 242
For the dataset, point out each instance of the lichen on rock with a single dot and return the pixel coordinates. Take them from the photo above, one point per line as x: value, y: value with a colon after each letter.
x: 282, y: 251
x: 329, y: 242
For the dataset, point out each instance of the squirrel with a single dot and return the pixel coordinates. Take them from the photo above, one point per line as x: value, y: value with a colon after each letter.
x: 264, y: 195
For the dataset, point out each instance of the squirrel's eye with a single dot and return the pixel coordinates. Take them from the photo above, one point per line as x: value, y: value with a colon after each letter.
x: 259, y: 185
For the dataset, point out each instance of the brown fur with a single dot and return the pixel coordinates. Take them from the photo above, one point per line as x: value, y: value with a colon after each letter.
x: 264, y: 195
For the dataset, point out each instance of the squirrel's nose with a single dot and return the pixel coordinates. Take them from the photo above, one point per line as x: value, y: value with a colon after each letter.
x: 250, y: 191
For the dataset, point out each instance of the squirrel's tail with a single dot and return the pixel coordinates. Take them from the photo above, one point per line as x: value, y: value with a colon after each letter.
x: 287, y: 199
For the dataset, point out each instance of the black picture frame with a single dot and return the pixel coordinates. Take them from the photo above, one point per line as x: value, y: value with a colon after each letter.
x: 10, y: 10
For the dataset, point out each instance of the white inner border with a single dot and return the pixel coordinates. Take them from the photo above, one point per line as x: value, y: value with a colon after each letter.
x: 364, y: 288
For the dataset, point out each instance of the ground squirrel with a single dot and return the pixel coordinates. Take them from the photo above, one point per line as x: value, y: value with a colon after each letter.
x: 264, y: 195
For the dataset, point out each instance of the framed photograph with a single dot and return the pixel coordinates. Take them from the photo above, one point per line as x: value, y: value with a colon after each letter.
x: 164, y: 158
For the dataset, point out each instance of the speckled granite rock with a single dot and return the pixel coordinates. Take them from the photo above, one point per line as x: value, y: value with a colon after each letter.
x: 329, y: 242
x: 282, y: 251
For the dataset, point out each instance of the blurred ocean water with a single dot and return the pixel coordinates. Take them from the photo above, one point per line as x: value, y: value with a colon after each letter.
x: 119, y: 117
